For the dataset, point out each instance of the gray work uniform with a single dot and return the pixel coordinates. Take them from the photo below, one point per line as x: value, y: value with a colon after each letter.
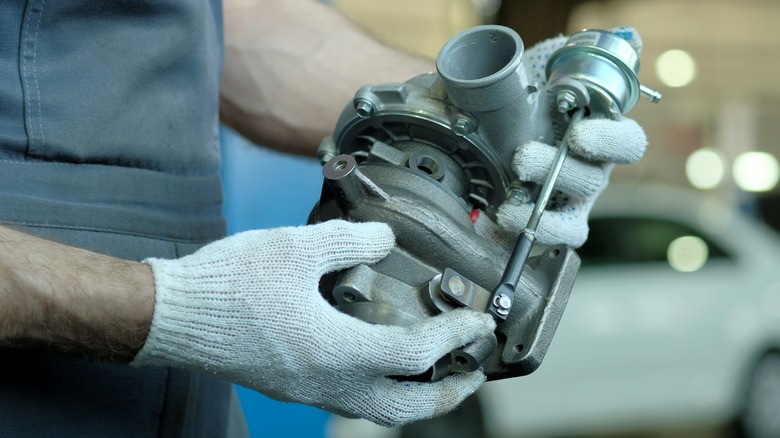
x: 109, y: 141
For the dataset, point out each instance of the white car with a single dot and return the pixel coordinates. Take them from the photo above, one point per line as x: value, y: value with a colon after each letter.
x: 673, y: 323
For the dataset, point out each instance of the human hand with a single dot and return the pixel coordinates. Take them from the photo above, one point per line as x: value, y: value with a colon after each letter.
x: 247, y: 309
x: 595, y: 145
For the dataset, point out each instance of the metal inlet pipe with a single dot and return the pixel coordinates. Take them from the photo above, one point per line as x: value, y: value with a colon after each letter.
x: 482, y: 68
x: 483, y: 73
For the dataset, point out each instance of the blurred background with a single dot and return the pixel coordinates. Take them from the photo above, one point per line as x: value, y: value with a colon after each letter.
x: 713, y: 136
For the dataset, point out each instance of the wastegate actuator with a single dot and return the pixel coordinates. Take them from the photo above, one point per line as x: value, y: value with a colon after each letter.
x: 423, y: 154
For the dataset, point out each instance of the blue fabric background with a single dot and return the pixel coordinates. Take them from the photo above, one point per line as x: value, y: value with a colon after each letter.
x: 266, y: 189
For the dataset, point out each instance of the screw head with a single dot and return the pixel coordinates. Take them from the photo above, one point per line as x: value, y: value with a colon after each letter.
x: 462, y: 126
x: 364, y: 108
x: 517, y: 196
x: 456, y: 286
x: 503, y: 302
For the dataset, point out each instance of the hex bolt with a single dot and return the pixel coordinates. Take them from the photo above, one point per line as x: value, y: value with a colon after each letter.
x: 566, y: 100
x: 503, y: 303
x: 517, y: 196
x: 456, y: 286
x: 462, y: 126
x: 364, y: 108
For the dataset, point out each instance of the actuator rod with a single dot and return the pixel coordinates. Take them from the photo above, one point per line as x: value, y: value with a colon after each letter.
x: 503, y: 296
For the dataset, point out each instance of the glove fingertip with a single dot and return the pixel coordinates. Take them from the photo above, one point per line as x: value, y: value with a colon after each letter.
x: 341, y: 244
x: 637, y: 142
x: 466, y: 385
x: 622, y: 141
x: 531, y: 161
x: 414, y: 349
x: 479, y: 320
x: 513, y: 218
x: 559, y: 229
x: 459, y: 327
x: 406, y: 402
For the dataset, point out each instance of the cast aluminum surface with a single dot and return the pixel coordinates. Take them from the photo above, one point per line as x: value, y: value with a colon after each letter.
x: 421, y: 156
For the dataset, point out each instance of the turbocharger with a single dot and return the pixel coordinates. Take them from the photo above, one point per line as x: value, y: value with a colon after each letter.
x: 423, y: 155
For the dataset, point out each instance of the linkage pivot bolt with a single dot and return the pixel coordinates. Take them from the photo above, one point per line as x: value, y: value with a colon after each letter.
x: 456, y: 285
x: 503, y: 304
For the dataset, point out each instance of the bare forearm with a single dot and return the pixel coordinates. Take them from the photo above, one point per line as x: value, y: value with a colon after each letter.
x: 291, y: 66
x: 68, y: 299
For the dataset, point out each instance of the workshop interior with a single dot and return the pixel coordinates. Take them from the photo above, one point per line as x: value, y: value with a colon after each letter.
x: 670, y: 318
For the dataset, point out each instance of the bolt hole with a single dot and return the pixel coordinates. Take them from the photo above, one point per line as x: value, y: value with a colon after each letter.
x: 519, y: 348
x: 460, y: 360
x: 555, y: 253
x: 428, y: 165
x: 340, y: 165
x: 349, y: 297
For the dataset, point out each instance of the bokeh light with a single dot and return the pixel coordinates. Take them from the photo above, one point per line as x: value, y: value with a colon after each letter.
x: 687, y: 254
x: 675, y: 68
x: 756, y: 171
x: 705, y: 168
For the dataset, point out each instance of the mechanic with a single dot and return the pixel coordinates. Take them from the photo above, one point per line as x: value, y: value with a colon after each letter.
x: 110, y: 156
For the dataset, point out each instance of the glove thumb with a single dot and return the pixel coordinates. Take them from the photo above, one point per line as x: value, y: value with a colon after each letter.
x: 345, y: 244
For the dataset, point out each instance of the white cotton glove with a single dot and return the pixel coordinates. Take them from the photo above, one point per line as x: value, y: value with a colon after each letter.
x: 595, y: 145
x: 247, y: 309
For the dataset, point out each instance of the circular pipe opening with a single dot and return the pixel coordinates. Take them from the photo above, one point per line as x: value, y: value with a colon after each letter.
x: 427, y: 165
x: 480, y: 52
